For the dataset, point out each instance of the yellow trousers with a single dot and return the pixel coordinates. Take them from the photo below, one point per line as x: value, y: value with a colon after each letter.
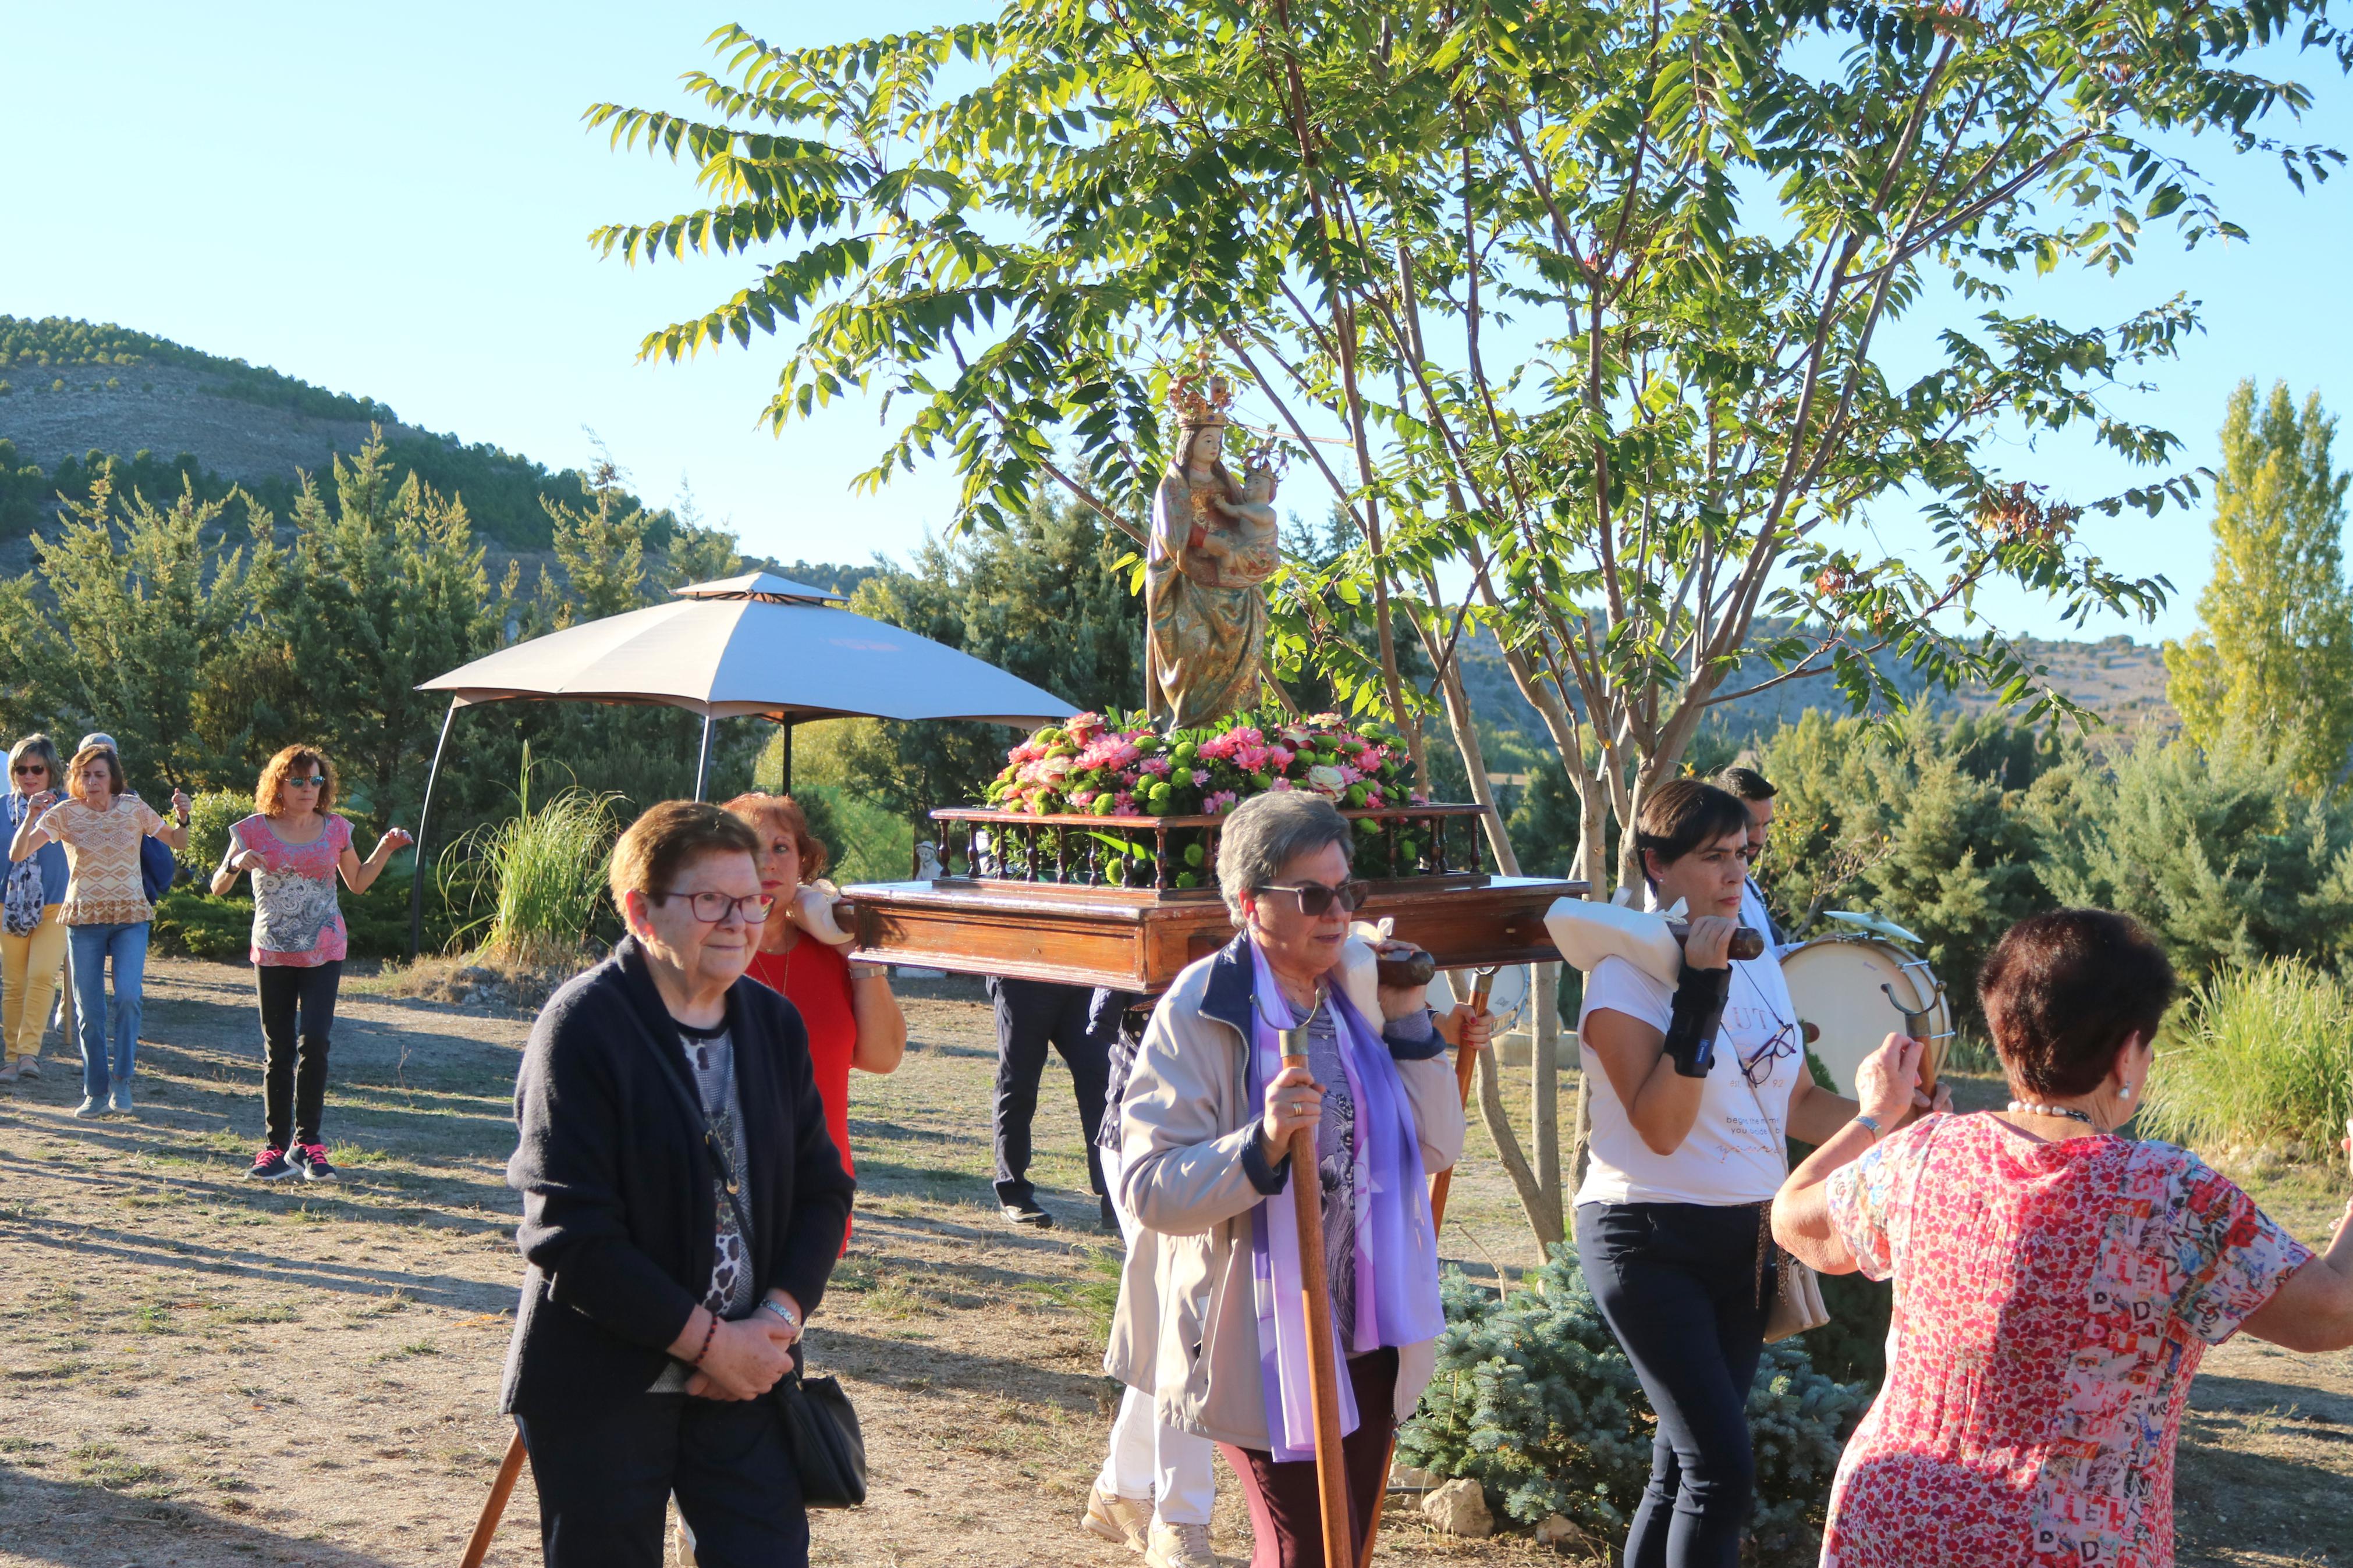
x: 29, y: 981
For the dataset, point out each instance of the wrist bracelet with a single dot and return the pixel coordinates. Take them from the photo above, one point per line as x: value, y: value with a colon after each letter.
x: 1865, y: 1119
x: 770, y: 1304
x: 864, y: 971
x: 709, y: 1329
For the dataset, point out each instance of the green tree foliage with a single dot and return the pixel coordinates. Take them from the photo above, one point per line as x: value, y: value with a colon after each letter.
x: 134, y: 616
x: 2272, y: 664
x: 1534, y: 1400
x: 2217, y: 852
x: 383, y: 589
x: 1698, y: 222
x: 1037, y: 598
x: 1917, y: 822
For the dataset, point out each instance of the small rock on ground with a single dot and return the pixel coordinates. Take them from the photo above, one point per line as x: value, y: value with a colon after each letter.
x: 1459, y: 1508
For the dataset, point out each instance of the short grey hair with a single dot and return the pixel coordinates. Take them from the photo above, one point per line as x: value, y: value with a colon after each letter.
x: 1268, y: 832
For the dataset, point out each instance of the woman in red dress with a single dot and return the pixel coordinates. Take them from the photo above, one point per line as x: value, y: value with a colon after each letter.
x: 2055, y: 1284
x: 852, y: 1019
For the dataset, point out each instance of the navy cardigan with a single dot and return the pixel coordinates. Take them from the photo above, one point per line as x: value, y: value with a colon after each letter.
x: 619, y: 1216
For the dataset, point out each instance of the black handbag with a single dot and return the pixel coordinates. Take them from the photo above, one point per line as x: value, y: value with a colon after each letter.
x: 821, y: 1430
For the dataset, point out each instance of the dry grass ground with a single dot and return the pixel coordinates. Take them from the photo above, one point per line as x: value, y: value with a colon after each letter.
x: 195, y: 1372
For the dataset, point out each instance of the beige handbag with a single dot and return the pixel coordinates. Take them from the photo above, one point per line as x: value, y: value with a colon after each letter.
x: 1797, y: 1289
x: 1798, y: 1299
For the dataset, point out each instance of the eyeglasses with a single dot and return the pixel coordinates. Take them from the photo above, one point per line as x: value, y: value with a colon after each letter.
x: 1315, y: 899
x: 711, y: 908
x: 317, y: 782
x: 1758, y: 1068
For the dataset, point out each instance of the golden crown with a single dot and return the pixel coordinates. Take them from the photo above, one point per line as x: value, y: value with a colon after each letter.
x: 1200, y: 398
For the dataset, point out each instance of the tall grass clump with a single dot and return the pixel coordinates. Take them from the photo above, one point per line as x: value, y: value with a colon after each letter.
x: 541, y: 873
x: 2260, y: 1057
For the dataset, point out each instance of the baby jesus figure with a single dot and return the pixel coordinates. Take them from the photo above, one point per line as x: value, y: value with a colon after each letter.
x: 1247, y: 540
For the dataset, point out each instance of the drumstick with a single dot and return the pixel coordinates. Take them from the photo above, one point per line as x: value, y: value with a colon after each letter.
x: 1466, y: 1062
x: 1315, y: 1289
x: 494, y: 1507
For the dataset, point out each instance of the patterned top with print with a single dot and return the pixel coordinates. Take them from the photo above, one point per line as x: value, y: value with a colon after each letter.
x: 103, y: 850
x: 297, y: 924
x: 2052, y: 1301
x: 733, y: 1291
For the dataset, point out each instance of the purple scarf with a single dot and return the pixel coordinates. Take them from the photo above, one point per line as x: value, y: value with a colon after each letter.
x: 1396, y: 1247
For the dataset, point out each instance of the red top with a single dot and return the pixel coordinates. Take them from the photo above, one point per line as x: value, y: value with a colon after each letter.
x: 815, y: 978
x: 2051, y: 1303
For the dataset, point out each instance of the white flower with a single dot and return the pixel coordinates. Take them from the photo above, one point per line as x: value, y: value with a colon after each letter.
x: 1325, y: 779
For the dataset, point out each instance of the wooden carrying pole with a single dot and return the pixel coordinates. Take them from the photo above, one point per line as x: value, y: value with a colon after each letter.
x: 494, y: 1507
x: 1466, y: 1062
x: 1323, y: 1365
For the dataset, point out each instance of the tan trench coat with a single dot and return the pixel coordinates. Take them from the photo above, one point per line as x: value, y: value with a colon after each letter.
x: 1185, y: 1329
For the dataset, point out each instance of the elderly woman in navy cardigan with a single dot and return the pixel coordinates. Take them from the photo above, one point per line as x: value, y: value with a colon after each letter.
x: 684, y: 1206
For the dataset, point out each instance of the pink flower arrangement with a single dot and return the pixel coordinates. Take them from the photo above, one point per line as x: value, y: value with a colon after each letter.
x: 1122, y: 768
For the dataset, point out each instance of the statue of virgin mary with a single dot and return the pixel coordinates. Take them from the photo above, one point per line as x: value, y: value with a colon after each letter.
x: 1213, y: 547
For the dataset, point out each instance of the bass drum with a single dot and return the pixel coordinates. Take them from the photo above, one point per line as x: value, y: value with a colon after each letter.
x: 1858, y: 990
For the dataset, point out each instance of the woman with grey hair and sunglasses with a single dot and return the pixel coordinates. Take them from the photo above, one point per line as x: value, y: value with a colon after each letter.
x: 1210, y: 1297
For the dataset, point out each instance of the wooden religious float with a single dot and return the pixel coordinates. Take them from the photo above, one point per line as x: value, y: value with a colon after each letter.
x: 1127, y: 902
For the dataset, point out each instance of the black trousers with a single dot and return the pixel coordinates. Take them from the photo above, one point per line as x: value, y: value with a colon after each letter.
x: 294, y: 1081
x: 605, y: 1479
x: 1678, y: 1284
x: 1030, y: 1015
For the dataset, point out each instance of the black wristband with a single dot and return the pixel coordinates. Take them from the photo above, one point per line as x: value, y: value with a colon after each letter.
x: 1698, y: 1010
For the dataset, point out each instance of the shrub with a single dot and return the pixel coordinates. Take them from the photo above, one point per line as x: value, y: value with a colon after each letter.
x: 1533, y: 1399
x: 541, y: 873
x: 2257, y: 1056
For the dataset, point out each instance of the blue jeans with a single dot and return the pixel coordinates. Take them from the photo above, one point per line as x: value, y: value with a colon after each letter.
x: 91, y: 946
x: 1678, y: 1285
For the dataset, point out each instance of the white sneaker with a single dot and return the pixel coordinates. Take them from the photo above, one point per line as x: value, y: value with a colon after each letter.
x: 1179, y: 1546
x: 1117, y: 1519
x: 90, y: 1106
x: 119, y: 1098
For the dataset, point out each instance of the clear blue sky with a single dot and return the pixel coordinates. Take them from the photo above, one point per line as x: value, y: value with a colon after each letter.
x: 393, y: 201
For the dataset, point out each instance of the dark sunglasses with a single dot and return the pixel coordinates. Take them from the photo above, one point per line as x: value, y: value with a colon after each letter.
x: 30, y: 768
x: 316, y: 782
x: 1315, y: 899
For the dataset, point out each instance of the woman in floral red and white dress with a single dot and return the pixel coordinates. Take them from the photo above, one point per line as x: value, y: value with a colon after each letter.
x: 2055, y: 1284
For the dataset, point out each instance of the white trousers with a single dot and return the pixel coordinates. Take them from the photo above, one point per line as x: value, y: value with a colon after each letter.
x: 1149, y: 1457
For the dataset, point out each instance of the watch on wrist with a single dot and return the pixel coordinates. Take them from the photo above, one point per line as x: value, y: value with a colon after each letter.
x: 770, y: 1304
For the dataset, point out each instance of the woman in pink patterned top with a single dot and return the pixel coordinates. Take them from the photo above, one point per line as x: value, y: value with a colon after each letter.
x: 2057, y: 1285
x: 294, y: 846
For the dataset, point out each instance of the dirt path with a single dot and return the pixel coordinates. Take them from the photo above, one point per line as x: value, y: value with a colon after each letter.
x: 195, y: 1371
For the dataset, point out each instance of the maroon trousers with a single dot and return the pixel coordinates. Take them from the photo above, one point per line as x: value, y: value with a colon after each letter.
x: 1285, y: 1509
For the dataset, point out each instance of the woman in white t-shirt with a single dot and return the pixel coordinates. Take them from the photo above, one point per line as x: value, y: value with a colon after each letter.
x: 1698, y: 1085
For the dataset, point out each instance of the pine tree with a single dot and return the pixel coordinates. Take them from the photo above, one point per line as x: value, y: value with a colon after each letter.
x: 2272, y: 661
x: 144, y: 613
x: 385, y: 590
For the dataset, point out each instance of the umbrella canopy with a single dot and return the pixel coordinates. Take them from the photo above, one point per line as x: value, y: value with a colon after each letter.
x: 757, y: 644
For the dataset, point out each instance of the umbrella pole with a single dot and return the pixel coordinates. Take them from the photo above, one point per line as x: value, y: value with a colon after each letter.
x: 425, y: 815
x: 1322, y: 1363
x: 703, y: 765
x: 785, y: 784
